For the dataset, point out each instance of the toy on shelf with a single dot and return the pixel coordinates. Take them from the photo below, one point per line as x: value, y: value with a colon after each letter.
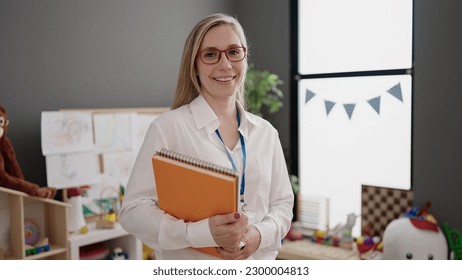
x: 454, y: 238
x: 41, y: 246
x: 344, y: 232
x: 369, y: 247
x: 76, y: 221
x: 118, y: 254
x: 415, y: 235
x: 34, y: 245
x: 31, y: 232
x: 11, y: 175
x: 109, y: 219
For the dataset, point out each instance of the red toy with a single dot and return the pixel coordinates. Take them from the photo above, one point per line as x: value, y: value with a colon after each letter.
x: 11, y: 175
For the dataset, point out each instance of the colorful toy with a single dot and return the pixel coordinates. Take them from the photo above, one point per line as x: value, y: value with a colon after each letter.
x: 344, y: 232
x: 34, y: 245
x: 109, y: 219
x: 118, y: 254
x: 111, y: 216
x: 11, y: 175
x: 369, y: 247
x: 31, y: 232
x: 414, y: 236
x: 39, y: 247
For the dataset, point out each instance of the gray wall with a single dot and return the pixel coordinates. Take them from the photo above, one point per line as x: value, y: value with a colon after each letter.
x: 437, y: 117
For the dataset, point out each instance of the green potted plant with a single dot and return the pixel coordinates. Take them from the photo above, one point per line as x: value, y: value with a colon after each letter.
x: 261, y: 90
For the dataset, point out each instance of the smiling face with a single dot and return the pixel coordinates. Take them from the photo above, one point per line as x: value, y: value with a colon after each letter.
x: 222, y: 79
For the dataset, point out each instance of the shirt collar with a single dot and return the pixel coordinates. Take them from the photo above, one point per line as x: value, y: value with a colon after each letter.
x: 204, y: 116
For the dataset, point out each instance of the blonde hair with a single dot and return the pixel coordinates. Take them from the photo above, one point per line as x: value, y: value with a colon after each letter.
x: 188, y: 85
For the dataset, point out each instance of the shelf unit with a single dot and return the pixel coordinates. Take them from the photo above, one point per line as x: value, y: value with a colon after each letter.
x: 53, y: 218
x: 115, y: 237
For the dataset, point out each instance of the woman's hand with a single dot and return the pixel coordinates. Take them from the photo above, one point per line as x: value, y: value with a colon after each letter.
x: 252, y: 240
x: 228, y: 230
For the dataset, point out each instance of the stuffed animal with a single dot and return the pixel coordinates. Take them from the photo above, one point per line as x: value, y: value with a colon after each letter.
x: 414, y: 236
x: 11, y: 175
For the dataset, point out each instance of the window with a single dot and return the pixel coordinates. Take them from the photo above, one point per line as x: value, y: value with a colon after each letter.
x: 354, y: 106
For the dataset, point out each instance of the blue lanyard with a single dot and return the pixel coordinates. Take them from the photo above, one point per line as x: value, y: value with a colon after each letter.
x: 244, y: 155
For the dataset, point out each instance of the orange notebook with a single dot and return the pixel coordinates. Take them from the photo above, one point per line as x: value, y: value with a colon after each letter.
x: 192, y: 189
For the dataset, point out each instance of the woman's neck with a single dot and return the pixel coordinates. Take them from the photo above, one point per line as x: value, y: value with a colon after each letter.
x: 224, y: 108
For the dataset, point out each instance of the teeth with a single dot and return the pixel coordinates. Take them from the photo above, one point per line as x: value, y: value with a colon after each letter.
x: 224, y: 79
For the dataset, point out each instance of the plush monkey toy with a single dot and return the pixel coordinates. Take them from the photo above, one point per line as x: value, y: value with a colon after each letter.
x: 11, y: 175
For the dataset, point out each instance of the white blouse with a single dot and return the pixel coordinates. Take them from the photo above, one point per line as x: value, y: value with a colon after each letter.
x: 190, y: 130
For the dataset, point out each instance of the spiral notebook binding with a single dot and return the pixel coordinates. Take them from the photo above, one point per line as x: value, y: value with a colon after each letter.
x: 197, y: 162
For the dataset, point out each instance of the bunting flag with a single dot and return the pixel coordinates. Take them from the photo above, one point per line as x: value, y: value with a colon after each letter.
x: 329, y: 105
x: 375, y: 103
x: 396, y: 91
x: 308, y: 95
x: 349, y: 108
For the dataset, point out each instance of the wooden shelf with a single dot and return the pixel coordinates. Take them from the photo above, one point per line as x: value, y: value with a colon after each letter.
x: 54, y: 216
x: 115, y: 237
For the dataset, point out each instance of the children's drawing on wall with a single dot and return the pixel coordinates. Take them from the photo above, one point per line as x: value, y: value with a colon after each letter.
x: 72, y: 170
x: 112, y: 132
x: 93, y: 151
x: 66, y: 132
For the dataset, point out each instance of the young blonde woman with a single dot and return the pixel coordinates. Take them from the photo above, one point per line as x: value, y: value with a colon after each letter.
x: 208, y: 121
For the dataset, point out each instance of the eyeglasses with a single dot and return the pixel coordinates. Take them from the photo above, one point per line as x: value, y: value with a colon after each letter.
x: 212, y: 55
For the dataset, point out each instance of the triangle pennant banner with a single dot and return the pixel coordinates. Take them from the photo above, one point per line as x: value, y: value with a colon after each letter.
x: 308, y: 95
x: 375, y: 103
x: 329, y: 105
x: 396, y: 91
x: 349, y: 108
